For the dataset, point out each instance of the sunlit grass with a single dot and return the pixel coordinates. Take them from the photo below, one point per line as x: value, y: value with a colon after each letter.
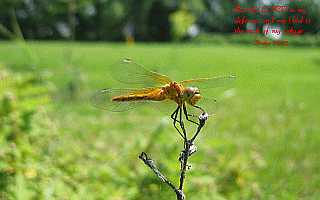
x: 262, y: 143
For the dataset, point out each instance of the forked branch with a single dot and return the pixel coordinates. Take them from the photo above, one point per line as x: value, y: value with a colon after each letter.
x: 189, y: 149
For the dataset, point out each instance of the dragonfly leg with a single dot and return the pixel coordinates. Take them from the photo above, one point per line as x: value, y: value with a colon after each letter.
x: 199, y: 108
x: 188, y: 115
x: 181, y: 124
x: 174, y: 117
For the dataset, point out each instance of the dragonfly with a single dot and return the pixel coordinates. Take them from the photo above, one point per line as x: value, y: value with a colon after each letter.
x: 150, y: 87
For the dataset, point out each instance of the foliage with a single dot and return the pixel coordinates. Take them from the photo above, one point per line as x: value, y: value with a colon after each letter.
x: 106, y: 20
x: 181, y: 20
x: 21, y: 97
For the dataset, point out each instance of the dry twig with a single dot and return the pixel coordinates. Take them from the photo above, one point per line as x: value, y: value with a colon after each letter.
x: 189, y: 149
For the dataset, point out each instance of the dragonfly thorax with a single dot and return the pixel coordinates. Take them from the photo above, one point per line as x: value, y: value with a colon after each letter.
x: 191, y: 95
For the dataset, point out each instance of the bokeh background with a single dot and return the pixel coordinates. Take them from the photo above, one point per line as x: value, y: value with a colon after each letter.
x: 263, y: 142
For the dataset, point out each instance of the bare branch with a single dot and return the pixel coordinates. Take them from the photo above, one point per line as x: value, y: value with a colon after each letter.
x: 202, y: 119
x: 189, y: 149
x: 151, y: 164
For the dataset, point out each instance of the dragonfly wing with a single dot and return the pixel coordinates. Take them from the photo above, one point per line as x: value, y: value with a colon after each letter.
x: 103, y: 99
x: 129, y: 72
x: 209, y: 105
x: 207, y: 83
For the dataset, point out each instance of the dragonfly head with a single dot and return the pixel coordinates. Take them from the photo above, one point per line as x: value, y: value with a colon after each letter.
x: 191, y: 95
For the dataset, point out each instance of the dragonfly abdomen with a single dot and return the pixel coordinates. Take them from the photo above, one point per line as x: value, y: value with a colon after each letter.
x: 153, y: 96
x: 129, y: 98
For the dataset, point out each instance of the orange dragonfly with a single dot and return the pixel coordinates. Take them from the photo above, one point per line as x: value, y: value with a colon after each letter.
x: 154, y: 87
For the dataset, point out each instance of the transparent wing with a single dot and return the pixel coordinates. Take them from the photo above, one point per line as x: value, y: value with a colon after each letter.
x: 103, y: 99
x: 207, y: 83
x: 129, y: 72
x: 209, y: 105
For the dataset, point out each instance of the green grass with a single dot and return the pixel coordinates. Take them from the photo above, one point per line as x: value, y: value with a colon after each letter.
x: 263, y: 142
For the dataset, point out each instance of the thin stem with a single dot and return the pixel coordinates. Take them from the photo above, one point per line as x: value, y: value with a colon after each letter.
x: 188, y: 150
x: 184, y: 161
x: 151, y: 164
x: 202, y: 118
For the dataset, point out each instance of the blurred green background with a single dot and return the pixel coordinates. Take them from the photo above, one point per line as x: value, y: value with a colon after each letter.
x: 263, y: 142
x: 153, y: 20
